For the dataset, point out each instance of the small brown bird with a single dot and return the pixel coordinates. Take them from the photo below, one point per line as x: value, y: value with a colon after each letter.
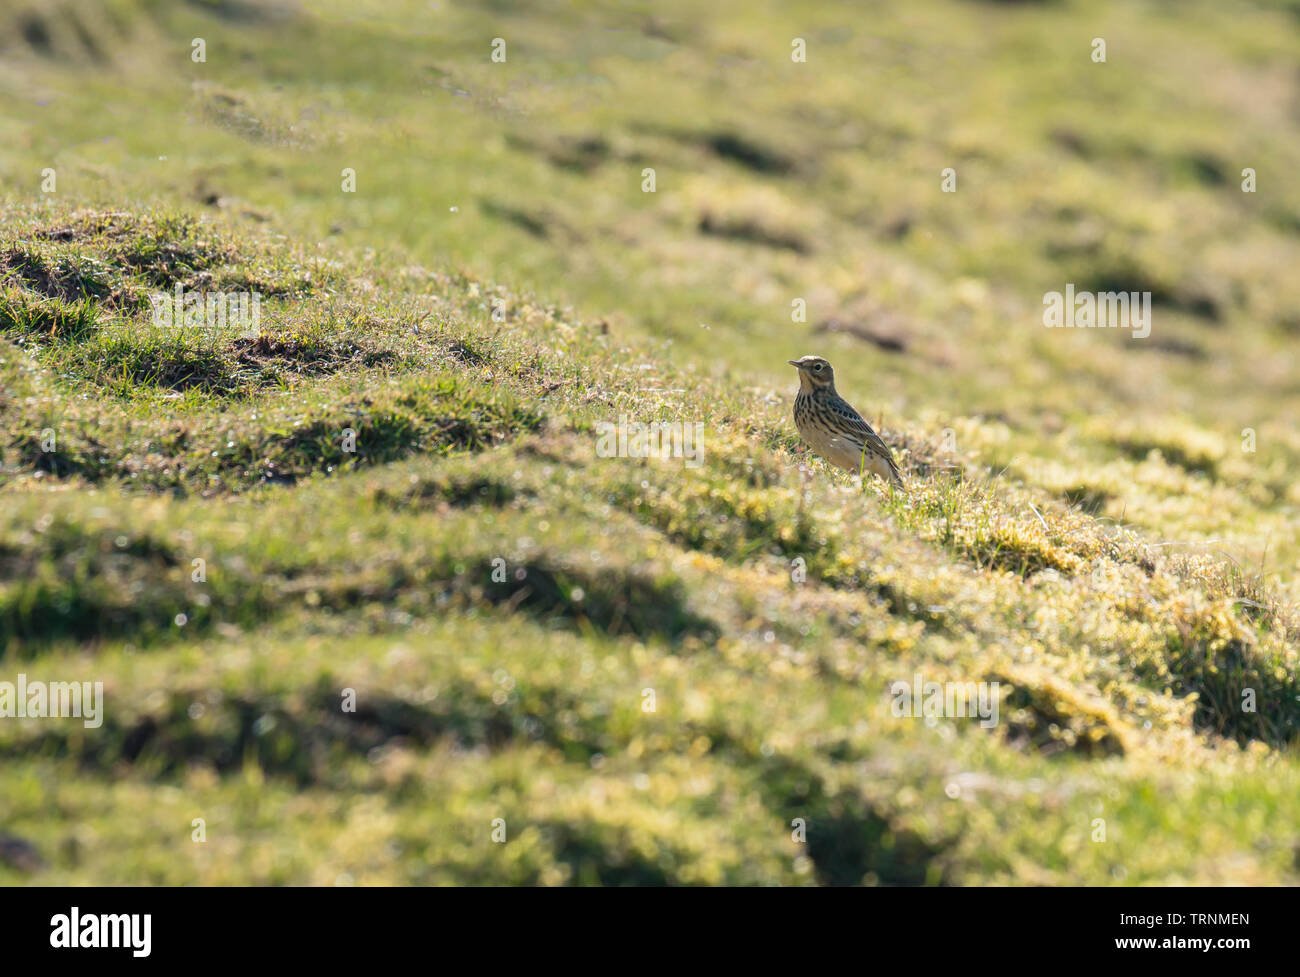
x: 833, y: 429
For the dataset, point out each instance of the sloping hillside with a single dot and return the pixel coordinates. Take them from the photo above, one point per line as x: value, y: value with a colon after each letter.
x: 365, y: 593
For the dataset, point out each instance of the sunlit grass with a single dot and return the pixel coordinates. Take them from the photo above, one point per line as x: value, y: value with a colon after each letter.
x: 648, y: 669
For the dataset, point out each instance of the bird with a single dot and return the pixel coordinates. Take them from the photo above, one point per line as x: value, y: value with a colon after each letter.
x: 831, y: 427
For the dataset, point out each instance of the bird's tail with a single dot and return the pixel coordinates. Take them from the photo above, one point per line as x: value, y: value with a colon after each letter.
x: 896, y: 476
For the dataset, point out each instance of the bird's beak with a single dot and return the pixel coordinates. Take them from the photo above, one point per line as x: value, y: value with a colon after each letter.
x: 794, y: 363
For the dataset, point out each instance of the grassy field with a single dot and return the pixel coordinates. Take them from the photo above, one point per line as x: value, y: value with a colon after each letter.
x: 364, y: 596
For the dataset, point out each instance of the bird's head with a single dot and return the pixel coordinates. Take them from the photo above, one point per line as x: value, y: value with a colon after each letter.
x: 815, y: 373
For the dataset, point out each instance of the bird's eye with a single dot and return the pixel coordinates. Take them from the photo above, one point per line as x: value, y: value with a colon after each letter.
x: 818, y: 368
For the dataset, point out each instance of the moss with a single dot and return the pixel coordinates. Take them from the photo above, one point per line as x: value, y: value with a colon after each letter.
x: 1117, y: 551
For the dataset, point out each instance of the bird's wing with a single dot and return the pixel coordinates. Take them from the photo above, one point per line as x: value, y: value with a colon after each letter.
x: 874, y: 442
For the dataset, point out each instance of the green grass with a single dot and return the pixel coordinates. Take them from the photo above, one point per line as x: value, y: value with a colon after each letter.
x: 390, y: 490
